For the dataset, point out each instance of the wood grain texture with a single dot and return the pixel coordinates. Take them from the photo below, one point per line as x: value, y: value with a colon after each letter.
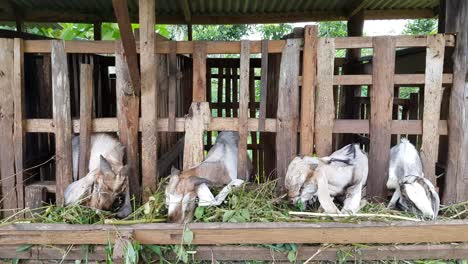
x: 288, y: 110
x: 243, y: 108
x: 128, y: 121
x: 381, y: 94
x: 309, y: 73
x: 7, y: 157
x: 263, y: 85
x: 173, y: 72
x: 457, y: 160
x: 18, y: 130
x: 433, y: 91
x: 196, y: 122
x: 62, y: 119
x: 324, y: 104
x: 240, y: 233
x: 149, y: 98
x: 86, y: 111
x: 199, y: 71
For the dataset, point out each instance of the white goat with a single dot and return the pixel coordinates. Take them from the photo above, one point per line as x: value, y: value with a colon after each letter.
x: 413, y: 193
x: 344, y: 173
x: 106, y: 184
x: 218, y: 169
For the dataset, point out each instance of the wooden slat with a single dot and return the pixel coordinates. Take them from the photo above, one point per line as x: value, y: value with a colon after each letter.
x: 324, y: 105
x: 221, y: 47
x: 309, y: 73
x: 288, y: 110
x: 399, y: 79
x: 252, y: 113
x: 62, y: 119
x: 196, y: 123
x: 381, y: 94
x: 86, y: 111
x: 220, y: 92
x: 433, y: 91
x: 240, y: 233
x: 7, y: 157
x: 263, y: 85
x: 243, y: 108
x: 128, y: 121
x: 199, y: 72
x: 129, y: 45
x: 149, y: 98
x: 227, y: 94
x: 18, y: 131
x: 172, y: 60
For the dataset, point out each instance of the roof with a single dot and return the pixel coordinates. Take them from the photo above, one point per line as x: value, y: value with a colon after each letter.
x: 218, y: 11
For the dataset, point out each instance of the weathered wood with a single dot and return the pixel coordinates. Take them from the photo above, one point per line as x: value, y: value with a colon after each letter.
x: 128, y: 121
x: 324, y: 105
x: 243, y: 108
x: 199, y: 71
x: 172, y: 60
x: 166, y: 160
x: 149, y: 98
x: 227, y: 94
x: 196, y: 122
x: 433, y: 91
x: 309, y: 73
x: 18, y: 130
x: 62, y: 119
x: 288, y: 110
x: 263, y: 85
x: 86, y: 111
x: 220, y: 93
x: 240, y: 233
x: 400, y: 79
x: 381, y: 94
x: 457, y: 160
x: 7, y: 146
x: 34, y: 196
x: 129, y: 46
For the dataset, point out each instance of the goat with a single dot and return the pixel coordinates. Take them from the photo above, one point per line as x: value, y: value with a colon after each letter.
x: 343, y: 173
x: 105, y: 186
x: 218, y: 169
x: 413, y: 193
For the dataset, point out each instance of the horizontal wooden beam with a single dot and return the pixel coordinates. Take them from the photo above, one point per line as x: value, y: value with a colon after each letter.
x: 413, y: 127
x: 220, y: 47
x: 366, y: 79
x: 240, y: 233
x: 245, y: 253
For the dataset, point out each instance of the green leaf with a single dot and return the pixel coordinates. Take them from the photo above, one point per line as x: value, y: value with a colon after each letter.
x: 199, y: 212
x: 228, y: 215
x: 155, y: 249
x: 292, y: 256
x: 23, y: 248
x: 245, y: 214
x: 15, y: 261
x: 187, y: 237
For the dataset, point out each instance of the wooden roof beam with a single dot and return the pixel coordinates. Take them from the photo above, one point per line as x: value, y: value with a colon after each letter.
x: 355, y: 7
x: 186, y: 10
x: 128, y: 42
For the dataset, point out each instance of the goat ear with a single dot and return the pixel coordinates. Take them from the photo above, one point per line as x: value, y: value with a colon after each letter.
x: 104, y: 165
x: 198, y: 180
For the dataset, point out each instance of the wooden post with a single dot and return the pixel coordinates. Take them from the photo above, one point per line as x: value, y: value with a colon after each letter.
x: 288, y: 109
x: 196, y: 122
x: 149, y: 98
x: 457, y: 161
x: 189, y: 32
x: 381, y: 96
x: 97, y: 31
x: 324, y: 106
x: 309, y: 73
x: 199, y: 71
x: 172, y: 61
x: 243, y: 108
x: 86, y: 112
x: 18, y: 132
x: 263, y: 86
x: 7, y: 157
x: 127, y: 115
x: 433, y: 91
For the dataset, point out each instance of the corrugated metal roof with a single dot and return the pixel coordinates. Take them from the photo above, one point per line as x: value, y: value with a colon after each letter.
x: 221, y: 11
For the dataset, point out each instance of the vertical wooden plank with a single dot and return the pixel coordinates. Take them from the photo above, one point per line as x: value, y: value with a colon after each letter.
x: 7, y: 157
x: 199, y: 71
x: 18, y: 132
x: 235, y: 89
x: 288, y: 109
x: 263, y: 86
x: 324, y: 106
x: 381, y: 98
x: 172, y: 84
x: 86, y: 110
x: 253, y: 135
x: 208, y: 99
x: 309, y: 62
x: 243, y: 108
x: 62, y: 119
x: 229, y: 106
x: 149, y: 101
x: 196, y: 122
x: 127, y: 115
x: 432, y: 104
x: 220, y: 91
